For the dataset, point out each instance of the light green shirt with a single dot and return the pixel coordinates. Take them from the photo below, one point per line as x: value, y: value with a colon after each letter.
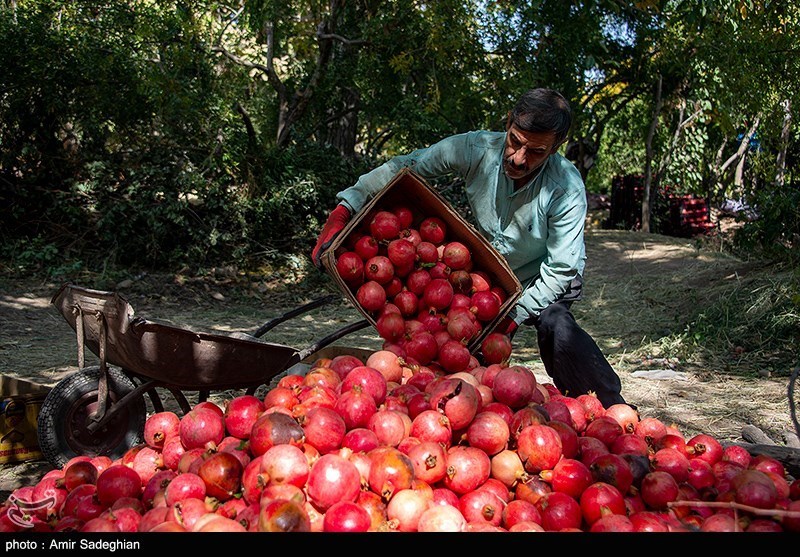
x: 538, y: 228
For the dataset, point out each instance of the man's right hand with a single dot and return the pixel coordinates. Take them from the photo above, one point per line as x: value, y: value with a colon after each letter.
x: 337, y: 220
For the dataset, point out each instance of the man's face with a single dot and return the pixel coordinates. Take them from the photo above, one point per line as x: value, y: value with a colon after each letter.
x: 526, y: 151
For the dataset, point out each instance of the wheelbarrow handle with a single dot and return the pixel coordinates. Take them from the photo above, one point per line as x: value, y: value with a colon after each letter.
x: 333, y: 337
x: 293, y: 313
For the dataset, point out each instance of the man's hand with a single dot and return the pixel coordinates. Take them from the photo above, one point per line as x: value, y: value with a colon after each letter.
x: 337, y: 220
x: 506, y: 327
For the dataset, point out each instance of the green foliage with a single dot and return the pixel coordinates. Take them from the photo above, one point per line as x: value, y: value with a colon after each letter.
x: 128, y: 140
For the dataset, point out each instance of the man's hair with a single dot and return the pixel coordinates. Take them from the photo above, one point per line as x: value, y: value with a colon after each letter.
x: 543, y: 110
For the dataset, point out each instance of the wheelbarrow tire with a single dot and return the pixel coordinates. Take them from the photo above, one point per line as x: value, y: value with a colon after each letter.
x: 61, y: 430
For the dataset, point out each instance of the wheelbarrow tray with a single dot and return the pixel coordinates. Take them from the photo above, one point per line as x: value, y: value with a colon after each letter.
x: 165, y: 353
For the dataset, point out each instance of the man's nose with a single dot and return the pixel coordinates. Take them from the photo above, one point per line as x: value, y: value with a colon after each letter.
x: 519, y: 156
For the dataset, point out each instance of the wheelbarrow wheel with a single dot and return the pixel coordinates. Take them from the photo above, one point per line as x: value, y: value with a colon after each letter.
x: 63, y: 417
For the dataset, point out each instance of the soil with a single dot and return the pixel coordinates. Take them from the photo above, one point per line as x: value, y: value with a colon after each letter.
x: 629, y: 307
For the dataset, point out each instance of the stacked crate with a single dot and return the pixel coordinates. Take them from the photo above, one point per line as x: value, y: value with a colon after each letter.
x: 689, y: 216
x: 672, y: 214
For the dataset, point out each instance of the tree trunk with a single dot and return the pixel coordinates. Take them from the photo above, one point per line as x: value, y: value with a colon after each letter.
x: 780, y: 175
x: 343, y: 126
x: 648, y: 167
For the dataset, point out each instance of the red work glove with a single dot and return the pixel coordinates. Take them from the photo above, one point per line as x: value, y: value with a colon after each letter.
x: 507, y: 326
x: 337, y: 220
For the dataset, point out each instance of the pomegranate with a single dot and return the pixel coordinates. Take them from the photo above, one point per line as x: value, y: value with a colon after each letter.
x: 429, y: 460
x: 201, y: 426
x: 390, y: 471
x: 672, y: 461
x: 485, y: 305
x: 388, y: 364
x: 273, y: 429
x: 454, y: 356
x: 159, y: 426
x: 78, y: 473
x: 350, y: 267
x: 438, y: 294
x: 422, y: 347
x: 482, y: 506
x: 355, y: 407
x: 514, y: 386
x: 612, y: 469
x: 117, y: 481
x: 612, y: 523
x: 457, y: 400
x: 519, y: 511
x: 390, y: 427
x: 332, y: 478
x: 737, y: 454
x: 496, y: 349
x: 385, y: 226
x: 559, y: 511
x: 659, y: 488
x: 462, y: 285
x: 324, y: 429
x: 600, y: 499
x: 417, y: 280
x: 433, y: 230
x: 570, y: 446
x: 405, y: 508
x: 240, y: 413
x: 442, y: 518
x: 489, y: 432
x: 407, y: 302
x: 366, y: 247
x: 282, y: 515
x: 371, y: 296
x: 456, y: 256
x: 432, y: 425
x: 187, y: 485
x: 630, y: 443
x: 706, y: 447
x: 401, y: 253
x: 346, y: 516
x: 569, y: 476
x: 594, y: 408
x: 370, y: 380
x: 754, y: 488
x: 467, y: 468
x: 360, y: 439
x: 539, y: 447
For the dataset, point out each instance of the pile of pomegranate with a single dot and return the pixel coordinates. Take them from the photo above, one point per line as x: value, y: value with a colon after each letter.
x: 373, y: 446
x: 428, y: 299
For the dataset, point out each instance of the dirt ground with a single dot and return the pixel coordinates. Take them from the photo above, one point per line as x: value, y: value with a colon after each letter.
x: 630, y: 306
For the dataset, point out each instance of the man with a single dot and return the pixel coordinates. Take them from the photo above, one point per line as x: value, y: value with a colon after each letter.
x: 530, y: 203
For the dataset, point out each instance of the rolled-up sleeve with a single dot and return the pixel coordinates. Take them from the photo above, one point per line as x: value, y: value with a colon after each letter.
x: 451, y: 154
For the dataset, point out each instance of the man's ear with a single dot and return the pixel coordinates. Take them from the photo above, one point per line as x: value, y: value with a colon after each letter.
x: 557, y: 146
x: 508, y: 121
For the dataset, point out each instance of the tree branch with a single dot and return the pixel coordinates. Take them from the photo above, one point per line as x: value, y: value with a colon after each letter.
x: 335, y: 37
x: 742, y: 146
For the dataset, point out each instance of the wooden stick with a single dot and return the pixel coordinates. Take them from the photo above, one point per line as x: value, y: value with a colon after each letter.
x: 734, y: 505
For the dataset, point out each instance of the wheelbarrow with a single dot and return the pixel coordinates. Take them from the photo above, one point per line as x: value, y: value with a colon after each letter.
x: 101, y: 410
